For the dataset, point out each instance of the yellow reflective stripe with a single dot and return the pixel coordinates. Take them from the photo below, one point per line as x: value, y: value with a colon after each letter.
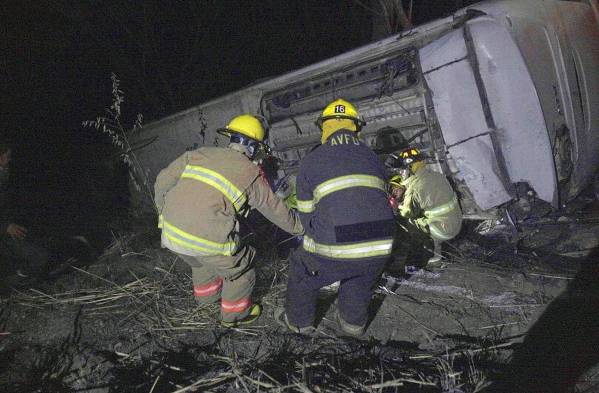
x: 349, y: 181
x: 350, y: 251
x: 437, y: 233
x: 207, y: 247
x: 441, y: 209
x: 305, y: 206
x: 216, y: 180
x: 160, y: 221
x: 339, y: 183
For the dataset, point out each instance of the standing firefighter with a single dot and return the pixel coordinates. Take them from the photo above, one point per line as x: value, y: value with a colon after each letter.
x: 342, y: 200
x: 200, y: 197
x: 426, y: 201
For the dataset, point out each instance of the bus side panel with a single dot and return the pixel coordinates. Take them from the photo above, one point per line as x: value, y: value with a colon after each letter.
x: 187, y: 130
x: 515, y: 107
x: 458, y: 108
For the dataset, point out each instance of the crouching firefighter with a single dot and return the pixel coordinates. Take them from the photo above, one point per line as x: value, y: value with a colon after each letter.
x: 199, y: 197
x: 426, y: 203
x: 342, y: 203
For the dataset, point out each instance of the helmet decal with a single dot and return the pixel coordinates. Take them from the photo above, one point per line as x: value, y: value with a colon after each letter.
x: 339, y: 108
x: 404, y: 158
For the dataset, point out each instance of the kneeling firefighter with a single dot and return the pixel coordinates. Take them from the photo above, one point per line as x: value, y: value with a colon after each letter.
x: 199, y: 197
x: 342, y: 203
x: 426, y: 202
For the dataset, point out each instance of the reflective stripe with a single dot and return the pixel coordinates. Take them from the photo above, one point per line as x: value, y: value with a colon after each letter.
x: 337, y: 184
x: 216, y: 180
x: 208, y: 289
x: 235, y: 306
x: 438, y: 233
x: 441, y: 209
x: 305, y: 206
x: 206, y: 247
x: 160, y: 221
x: 350, y: 251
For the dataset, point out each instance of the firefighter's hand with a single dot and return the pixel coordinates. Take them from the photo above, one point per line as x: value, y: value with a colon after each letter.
x: 16, y: 231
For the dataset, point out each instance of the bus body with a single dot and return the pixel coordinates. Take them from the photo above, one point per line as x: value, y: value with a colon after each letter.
x: 502, y: 96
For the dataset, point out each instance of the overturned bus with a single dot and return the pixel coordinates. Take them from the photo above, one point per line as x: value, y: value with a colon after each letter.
x: 502, y: 96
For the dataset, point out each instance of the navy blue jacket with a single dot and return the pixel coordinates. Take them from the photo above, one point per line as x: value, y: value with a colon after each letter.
x: 345, y: 214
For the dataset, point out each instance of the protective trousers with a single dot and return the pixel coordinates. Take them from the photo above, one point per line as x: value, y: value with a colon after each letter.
x: 309, y: 272
x: 411, y: 247
x: 229, y: 279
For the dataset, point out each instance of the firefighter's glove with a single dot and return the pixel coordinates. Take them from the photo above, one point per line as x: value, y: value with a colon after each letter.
x: 422, y: 224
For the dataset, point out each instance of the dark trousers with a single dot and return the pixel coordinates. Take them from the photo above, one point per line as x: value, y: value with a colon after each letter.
x: 358, y: 279
x: 411, y: 247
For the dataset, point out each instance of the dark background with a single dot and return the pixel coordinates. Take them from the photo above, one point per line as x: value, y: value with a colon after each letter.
x: 58, y: 57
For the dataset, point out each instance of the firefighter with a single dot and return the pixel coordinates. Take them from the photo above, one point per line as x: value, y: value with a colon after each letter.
x: 425, y: 200
x: 200, y: 197
x: 342, y: 203
x: 18, y: 253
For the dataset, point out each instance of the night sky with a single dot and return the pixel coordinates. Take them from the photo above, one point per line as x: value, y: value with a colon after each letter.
x: 169, y: 56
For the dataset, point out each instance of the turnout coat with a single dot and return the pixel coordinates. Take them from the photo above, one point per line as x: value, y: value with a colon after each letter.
x: 200, y: 195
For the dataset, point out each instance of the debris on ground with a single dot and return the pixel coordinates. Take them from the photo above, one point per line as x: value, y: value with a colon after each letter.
x: 129, y: 323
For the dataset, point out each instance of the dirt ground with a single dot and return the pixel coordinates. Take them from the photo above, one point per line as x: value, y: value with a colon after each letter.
x: 496, y: 316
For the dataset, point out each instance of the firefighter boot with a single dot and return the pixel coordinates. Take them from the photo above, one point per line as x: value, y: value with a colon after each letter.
x: 281, y: 318
x: 255, y: 312
x: 436, y: 261
x: 348, y: 328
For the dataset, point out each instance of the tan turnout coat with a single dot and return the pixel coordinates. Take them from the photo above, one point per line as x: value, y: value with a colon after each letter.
x: 431, y: 203
x: 200, y: 195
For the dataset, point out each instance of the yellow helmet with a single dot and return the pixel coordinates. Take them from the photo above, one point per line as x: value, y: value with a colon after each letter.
x: 395, y: 181
x: 246, y: 125
x: 341, y: 109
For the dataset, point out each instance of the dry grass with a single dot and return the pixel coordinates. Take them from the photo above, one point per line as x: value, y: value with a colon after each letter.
x: 153, y: 295
x: 159, y: 299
